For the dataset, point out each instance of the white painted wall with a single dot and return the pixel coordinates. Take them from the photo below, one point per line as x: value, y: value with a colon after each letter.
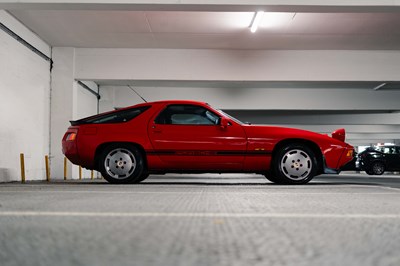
x: 63, y: 96
x: 86, y: 101
x: 69, y: 102
x: 24, y: 104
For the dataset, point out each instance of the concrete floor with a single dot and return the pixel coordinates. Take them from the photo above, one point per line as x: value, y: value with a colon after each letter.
x: 230, y: 220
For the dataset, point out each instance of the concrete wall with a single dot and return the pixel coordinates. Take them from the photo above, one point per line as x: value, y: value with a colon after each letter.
x: 24, y: 103
x: 69, y: 102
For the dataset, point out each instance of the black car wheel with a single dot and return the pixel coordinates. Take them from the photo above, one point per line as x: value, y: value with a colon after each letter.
x: 294, y: 164
x: 377, y: 168
x: 143, y: 177
x: 121, y: 164
x: 271, y: 177
x: 369, y: 172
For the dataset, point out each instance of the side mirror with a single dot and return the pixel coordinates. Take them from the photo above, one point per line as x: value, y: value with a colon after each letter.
x: 224, y: 123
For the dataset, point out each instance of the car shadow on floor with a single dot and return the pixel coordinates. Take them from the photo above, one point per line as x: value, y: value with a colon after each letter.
x: 387, y: 182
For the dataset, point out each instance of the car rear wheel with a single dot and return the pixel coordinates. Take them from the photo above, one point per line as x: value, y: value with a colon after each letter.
x: 369, y: 172
x: 294, y: 164
x: 121, y: 164
x: 377, y: 168
x: 143, y: 177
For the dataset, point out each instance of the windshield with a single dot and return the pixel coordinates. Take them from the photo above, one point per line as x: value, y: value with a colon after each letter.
x: 231, y: 117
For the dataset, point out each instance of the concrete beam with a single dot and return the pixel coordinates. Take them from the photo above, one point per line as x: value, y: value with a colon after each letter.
x: 257, y: 99
x: 237, y: 65
x: 208, y: 5
x: 349, y: 117
x: 22, y: 31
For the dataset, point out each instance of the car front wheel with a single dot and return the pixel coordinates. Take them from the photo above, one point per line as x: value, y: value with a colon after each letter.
x: 121, y: 164
x: 294, y: 164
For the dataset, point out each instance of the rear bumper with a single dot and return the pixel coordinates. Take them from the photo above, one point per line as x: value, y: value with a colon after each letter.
x: 70, y: 148
x: 346, y: 158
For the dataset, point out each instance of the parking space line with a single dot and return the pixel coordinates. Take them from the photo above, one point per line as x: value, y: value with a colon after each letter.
x: 197, y: 192
x: 197, y: 215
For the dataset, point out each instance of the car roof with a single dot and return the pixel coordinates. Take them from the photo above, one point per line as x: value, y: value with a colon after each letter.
x: 168, y: 102
x: 178, y: 102
x: 386, y: 146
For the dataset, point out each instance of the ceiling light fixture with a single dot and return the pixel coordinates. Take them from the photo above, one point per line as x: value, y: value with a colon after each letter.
x: 380, y: 86
x: 256, y: 20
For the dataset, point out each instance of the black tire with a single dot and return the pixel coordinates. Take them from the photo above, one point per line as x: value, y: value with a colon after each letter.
x: 271, y: 177
x: 121, y: 164
x: 294, y: 164
x: 377, y: 168
x: 369, y: 172
x: 143, y: 177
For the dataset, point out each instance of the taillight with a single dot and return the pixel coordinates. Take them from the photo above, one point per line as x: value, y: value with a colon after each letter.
x: 71, y: 137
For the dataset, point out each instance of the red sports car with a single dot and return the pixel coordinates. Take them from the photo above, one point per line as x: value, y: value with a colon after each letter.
x: 128, y: 144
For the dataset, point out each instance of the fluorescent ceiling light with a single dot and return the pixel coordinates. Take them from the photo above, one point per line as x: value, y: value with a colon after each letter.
x: 379, y: 86
x: 256, y: 20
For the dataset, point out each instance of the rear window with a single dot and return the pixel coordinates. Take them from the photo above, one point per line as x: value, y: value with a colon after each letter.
x: 112, y: 118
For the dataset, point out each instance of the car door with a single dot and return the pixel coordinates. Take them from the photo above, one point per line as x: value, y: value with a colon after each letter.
x: 190, y: 137
x: 392, y: 157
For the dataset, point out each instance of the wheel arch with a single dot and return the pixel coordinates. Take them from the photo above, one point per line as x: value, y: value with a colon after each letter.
x: 104, y: 145
x: 310, y: 144
x: 377, y: 160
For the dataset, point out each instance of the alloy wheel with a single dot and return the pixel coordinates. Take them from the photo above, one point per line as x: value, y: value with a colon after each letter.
x: 120, y: 163
x: 296, y: 164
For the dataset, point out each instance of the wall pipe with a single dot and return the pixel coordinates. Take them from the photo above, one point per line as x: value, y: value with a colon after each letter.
x: 86, y: 87
x: 26, y: 44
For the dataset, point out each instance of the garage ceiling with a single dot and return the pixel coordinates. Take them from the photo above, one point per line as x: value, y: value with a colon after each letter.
x: 213, y: 30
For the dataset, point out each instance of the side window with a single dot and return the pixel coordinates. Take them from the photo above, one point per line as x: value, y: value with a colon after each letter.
x: 395, y: 150
x: 389, y: 150
x: 186, y: 115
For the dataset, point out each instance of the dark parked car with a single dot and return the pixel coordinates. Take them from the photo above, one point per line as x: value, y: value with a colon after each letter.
x: 377, y: 160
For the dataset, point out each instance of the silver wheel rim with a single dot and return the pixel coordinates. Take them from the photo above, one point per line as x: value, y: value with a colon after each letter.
x: 120, y: 163
x: 296, y: 164
x: 378, y: 169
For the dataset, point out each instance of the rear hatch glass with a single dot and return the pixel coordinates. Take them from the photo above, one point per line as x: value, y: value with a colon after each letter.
x: 119, y: 116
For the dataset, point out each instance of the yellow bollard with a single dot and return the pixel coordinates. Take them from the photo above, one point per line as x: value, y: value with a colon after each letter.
x: 22, y: 160
x: 92, y: 175
x: 65, y: 168
x: 46, y: 159
x: 80, y: 172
